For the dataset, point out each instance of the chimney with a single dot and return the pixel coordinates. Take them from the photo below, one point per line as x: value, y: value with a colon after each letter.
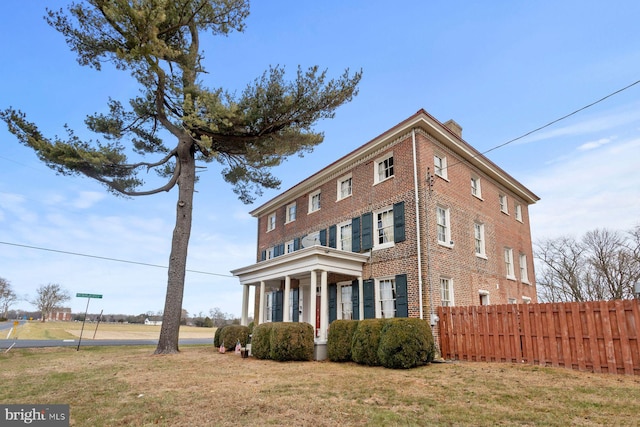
x: 454, y: 127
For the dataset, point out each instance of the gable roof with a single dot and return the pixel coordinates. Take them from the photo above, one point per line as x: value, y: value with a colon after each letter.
x: 420, y: 120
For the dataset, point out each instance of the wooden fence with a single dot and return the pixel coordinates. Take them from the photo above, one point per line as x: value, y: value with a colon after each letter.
x: 599, y: 336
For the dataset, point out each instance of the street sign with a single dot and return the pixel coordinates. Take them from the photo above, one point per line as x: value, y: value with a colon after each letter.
x: 88, y: 296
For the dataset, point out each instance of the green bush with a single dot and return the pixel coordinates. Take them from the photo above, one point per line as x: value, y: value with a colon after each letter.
x: 231, y: 334
x: 291, y: 341
x: 339, y: 340
x: 405, y: 343
x: 366, y: 339
x: 261, y: 340
x: 216, y: 337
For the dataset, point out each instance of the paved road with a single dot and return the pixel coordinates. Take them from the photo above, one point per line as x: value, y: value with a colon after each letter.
x: 5, y: 344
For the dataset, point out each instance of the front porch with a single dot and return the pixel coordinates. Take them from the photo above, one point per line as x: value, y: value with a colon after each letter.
x: 300, y: 272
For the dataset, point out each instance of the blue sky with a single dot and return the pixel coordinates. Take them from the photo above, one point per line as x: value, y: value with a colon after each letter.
x: 499, y: 69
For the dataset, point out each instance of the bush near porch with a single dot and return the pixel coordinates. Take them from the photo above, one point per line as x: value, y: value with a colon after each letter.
x: 283, y: 341
x: 230, y: 335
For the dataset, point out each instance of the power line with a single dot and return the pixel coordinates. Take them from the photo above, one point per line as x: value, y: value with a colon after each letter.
x: 110, y: 259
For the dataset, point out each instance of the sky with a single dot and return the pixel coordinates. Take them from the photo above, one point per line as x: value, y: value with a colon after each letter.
x: 499, y: 69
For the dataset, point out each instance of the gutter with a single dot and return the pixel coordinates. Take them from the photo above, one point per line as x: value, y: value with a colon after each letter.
x: 417, y: 200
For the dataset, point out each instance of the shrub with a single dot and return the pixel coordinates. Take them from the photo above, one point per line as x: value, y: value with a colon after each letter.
x: 364, y: 346
x: 339, y: 340
x: 405, y: 343
x: 231, y: 334
x: 291, y: 341
x: 261, y: 340
x: 216, y: 337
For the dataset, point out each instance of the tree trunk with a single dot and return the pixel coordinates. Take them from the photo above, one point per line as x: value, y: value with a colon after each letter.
x: 169, y: 332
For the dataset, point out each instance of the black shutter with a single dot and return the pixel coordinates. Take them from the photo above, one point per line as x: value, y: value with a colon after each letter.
x: 333, y: 230
x: 333, y: 300
x: 277, y: 305
x: 402, y: 304
x: 263, y: 256
x: 276, y: 251
x: 369, y: 299
x: 398, y: 222
x: 355, y: 234
x: 323, y: 237
x: 355, y: 299
x: 281, y: 246
x: 296, y: 244
x: 367, y: 231
x: 295, y: 304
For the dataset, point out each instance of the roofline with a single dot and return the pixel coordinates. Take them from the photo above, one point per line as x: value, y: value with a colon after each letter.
x: 422, y: 120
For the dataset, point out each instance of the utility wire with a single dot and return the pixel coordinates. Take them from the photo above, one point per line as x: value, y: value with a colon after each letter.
x: 110, y: 259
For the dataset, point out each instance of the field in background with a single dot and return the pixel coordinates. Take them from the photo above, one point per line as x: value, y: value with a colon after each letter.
x: 109, y: 386
x: 71, y: 330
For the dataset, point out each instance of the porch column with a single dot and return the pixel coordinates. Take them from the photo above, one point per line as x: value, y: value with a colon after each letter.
x: 361, y: 299
x: 286, y: 304
x: 312, y: 302
x: 244, y: 321
x: 324, y: 306
x: 262, y: 303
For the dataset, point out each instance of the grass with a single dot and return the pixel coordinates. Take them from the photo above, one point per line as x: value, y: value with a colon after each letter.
x: 128, y: 386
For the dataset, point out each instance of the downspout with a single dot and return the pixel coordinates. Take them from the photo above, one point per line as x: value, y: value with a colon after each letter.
x: 417, y: 200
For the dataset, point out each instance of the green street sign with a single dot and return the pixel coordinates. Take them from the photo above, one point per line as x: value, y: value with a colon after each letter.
x: 88, y: 296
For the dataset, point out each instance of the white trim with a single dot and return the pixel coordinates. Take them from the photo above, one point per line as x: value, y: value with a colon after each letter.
x: 440, y: 166
x: 339, y: 182
x: 288, y: 212
x: 390, y: 243
x: 311, y: 205
x: 376, y: 168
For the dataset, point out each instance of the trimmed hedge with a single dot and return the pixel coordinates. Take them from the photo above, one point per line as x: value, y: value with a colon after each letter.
x: 231, y: 334
x: 405, y: 343
x: 261, y: 340
x: 339, y: 340
x: 291, y: 341
x: 216, y: 337
x: 366, y: 339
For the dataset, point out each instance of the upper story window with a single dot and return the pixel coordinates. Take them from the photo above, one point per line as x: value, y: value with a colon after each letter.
x: 446, y: 292
x: 384, y: 227
x: 291, y: 212
x: 271, y: 252
x: 508, y: 263
x: 504, y: 207
x: 344, y: 187
x: 384, y: 168
x: 271, y: 222
x: 476, y: 190
x: 443, y: 225
x: 440, y: 165
x: 524, y: 274
x: 519, y: 212
x: 344, y: 237
x: 314, y: 201
x: 289, y: 247
x: 478, y: 231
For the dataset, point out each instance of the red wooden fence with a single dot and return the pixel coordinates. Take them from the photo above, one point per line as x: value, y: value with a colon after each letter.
x: 599, y: 336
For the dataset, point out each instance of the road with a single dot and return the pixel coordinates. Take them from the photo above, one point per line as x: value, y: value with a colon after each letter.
x: 5, y: 344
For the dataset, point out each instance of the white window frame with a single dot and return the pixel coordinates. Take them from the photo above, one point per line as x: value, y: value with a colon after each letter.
x: 289, y: 247
x: 524, y: 271
x: 387, y: 214
x: 512, y: 300
x: 291, y: 211
x: 484, y: 295
x: 526, y: 300
x: 518, y: 212
x: 270, y: 252
x: 479, y: 240
x: 508, y: 263
x: 443, y: 226
x: 476, y: 187
x: 446, y: 300
x: 313, y: 207
x: 383, y: 306
x: 268, y: 306
x: 340, y: 190
x: 440, y: 166
x: 382, y: 171
x: 504, y: 203
x: 271, y: 222
x: 342, y: 238
x: 346, y: 302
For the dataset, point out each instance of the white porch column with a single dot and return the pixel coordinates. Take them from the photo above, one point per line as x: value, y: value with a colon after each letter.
x: 244, y: 321
x: 262, y: 303
x: 324, y: 306
x: 360, y: 299
x: 286, y: 309
x: 312, y: 301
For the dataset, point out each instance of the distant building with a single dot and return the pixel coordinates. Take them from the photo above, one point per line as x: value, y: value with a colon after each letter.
x: 63, y: 314
x: 413, y: 219
x: 153, y: 320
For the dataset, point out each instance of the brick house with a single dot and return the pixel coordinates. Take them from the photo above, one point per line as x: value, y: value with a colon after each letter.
x: 411, y: 220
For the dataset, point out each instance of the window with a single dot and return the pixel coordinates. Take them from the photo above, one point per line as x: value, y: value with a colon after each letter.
x: 291, y: 212
x: 344, y: 238
x: 446, y: 292
x: 384, y: 169
x: 484, y: 297
x: 345, y: 301
x: 384, y: 227
x: 518, y: 212
x: 478, y: 231
x: 269, y: 307
x: 271, y: 252
x: 476, y: 190
x: 271, y: 222
x: 503, y: 204
x: 440, y: 165
x: 387, y: 292
x: 314, y: 201
x: 444, y: 231
x: 344, y: 187
x: 526, y: 300
x: 508, y: 263
x: 289, y: 247
x: 512, y: 301
x: 524, y: 275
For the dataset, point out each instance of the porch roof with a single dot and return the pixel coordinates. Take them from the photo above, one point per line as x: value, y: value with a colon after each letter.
x: 300, y: 263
